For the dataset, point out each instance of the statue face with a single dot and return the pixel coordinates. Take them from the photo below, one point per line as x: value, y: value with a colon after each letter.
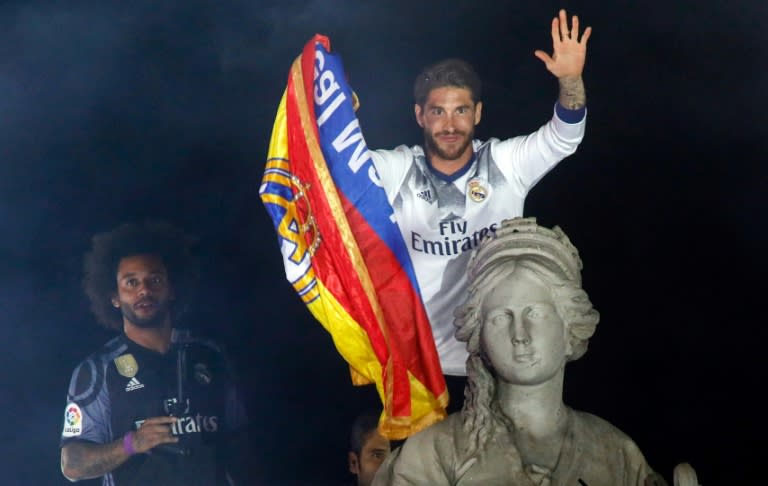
x: 523, y: 336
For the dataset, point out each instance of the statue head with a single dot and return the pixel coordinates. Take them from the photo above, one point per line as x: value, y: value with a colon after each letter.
x: 525, y: 279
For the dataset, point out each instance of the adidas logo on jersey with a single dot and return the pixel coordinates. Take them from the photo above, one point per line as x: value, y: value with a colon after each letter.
x: 134, y: 384
x: 425, y: 195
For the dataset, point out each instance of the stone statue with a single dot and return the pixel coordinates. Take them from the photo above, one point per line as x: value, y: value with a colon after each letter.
x: 526, y: 315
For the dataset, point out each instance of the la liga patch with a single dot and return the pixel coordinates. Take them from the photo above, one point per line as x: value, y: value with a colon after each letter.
x: 73, y: 421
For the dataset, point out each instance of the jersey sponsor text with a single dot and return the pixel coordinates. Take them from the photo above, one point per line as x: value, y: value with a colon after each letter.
x: 192, y: 424
x: 451, y: 245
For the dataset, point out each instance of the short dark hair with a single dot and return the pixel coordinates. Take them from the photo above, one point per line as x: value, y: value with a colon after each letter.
x: 364, y: 424
x: 449, y: 72
x: 158, y: 238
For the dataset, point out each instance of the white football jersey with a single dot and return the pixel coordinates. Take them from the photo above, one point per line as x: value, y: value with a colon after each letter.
x: 442, y: 218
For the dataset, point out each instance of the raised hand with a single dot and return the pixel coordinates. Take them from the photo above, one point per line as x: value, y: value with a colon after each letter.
x: 569, y: 52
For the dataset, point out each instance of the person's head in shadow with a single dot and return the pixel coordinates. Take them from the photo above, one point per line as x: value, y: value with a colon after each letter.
x: 367, y: 447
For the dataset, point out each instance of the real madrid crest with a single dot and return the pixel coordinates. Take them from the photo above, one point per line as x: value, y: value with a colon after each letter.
x: 127, y: 365
x: 476, y: 190
x: 203, y: 374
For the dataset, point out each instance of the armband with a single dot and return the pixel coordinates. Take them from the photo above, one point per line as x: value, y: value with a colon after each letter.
x: 128, y: 443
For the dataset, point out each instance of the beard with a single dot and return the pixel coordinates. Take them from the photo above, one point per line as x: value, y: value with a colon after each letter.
x: 153, y: 321
x: 444, y: 153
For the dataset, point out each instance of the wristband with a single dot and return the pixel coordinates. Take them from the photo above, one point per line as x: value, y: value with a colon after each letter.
x: 128, y: 443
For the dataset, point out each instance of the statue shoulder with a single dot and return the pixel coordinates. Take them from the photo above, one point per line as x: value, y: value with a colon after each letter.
x: 601, y: 441
x: 592, y: 426
x: 440, y: 437
x: 427, y: 457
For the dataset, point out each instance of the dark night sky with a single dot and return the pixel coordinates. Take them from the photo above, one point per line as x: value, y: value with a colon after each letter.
x: 113, y: 111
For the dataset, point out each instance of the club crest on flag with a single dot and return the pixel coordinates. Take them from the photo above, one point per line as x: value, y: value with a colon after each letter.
x: 319, y: 188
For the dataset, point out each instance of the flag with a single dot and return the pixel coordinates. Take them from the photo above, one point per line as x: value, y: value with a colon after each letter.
x: 342, y: 249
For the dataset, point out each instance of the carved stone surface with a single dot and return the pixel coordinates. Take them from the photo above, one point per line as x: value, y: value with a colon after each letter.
x: 525, y: 316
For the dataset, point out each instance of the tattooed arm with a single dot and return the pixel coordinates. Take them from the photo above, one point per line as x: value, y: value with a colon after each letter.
x: 86, y: 460
x: 572, y: 93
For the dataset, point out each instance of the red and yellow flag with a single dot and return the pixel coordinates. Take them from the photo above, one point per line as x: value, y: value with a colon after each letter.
x: 342, y: 250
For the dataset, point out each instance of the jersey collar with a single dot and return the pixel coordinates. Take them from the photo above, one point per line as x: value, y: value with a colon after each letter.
x: 456, y: 175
